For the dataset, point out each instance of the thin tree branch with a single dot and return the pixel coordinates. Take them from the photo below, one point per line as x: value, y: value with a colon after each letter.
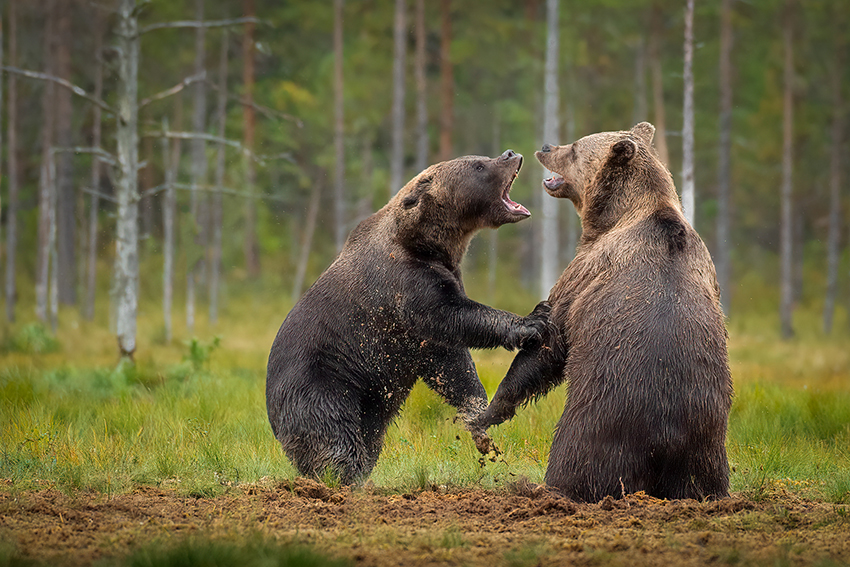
x: 68, y: 85
x: 206, y: 24
x: 209, y: 138
x: 99, y: 152
x: 173, y: 90
x: 104, y: 196
x: 213, y: 189
x: 264, y: 110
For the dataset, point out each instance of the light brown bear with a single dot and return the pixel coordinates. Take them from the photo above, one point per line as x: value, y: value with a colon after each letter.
x: 637, y: 329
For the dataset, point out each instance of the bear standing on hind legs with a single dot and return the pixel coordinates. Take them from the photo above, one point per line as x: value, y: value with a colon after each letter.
x: 637, y: 329
x: 389, y: 310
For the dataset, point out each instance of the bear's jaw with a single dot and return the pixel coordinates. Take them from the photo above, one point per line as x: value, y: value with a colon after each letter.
x: 512, y: 206
x: 553, y: 183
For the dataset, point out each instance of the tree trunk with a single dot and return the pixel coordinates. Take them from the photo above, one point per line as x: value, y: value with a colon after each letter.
x: 688, y: 189
x: 44, y: 182
x: 306, y: 242
x: 447, y: 86
x: 787, y: 301
x: 657, y: 29
x: 12, y: 174
x: 94, y: 200
x: 421, y: 90
x: 640, y: 108
x: 252, y: 252
x: 171, y: 166
x: 145, y: 184
x: 195, y: 245
x: 834, y: 193
x: 339, y: 175
x: 217, y: 213
x: 493, y: 257
x: 1, y: 102
x: 66, y: 198
x: 724, y: 181
x: 53, y: 280
x: 127, y: 222
x: 549, y: 227
x: 573, y: 227
x: 399, y: 59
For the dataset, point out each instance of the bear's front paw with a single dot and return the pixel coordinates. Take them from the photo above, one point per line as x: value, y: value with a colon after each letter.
x: 535, y: 327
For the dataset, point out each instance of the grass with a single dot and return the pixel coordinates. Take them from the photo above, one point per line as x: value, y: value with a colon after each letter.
x: 191, y: 414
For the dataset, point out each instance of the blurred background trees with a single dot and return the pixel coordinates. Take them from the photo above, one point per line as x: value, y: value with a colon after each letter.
x: 304, y: 122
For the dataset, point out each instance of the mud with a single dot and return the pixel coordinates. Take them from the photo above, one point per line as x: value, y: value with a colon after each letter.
x: 523, y: 524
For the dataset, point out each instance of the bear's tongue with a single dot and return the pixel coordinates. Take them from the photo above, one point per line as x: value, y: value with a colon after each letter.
x: 553, y: 182
x: 512, y: 206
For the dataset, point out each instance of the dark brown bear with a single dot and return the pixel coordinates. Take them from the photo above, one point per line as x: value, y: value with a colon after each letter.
x: 389, y: 310
x: 637, y: 330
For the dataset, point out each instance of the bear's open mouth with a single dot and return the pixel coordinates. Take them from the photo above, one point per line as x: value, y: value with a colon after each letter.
x: 553, y: 182
x: 513, y: 207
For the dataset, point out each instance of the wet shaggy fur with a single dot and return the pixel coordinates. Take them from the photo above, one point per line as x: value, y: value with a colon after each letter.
x: 637, y: 329
x: 389, y: 310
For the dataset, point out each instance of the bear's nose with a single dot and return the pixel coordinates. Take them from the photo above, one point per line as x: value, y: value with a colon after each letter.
x: 508, y: 154
x: 546, y: 148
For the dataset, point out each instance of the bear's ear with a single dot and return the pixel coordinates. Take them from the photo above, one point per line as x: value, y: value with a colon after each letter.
x: 422, y: 185
x: 644, y: 132
x: 623, y: 151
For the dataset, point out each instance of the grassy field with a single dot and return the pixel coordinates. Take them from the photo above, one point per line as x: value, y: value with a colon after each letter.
x: 190, y: 416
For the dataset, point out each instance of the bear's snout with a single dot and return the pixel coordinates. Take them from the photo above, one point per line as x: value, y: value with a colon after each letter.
x: 546, y: 148
x: 508, y: 154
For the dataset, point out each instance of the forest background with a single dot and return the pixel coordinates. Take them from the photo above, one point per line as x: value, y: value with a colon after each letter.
x: 314, y: 148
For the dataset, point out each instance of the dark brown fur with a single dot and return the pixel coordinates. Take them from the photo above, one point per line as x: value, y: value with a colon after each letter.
x: 637, y: 330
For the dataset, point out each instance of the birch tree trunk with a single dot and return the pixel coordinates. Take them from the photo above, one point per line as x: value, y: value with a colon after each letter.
x: 306, y: 242
x: 339, y: 147
x: 194, y: 245
x: 549, y: 227
x: 573, y: 227
x: 252, y: 255
x: 446, y: 81
x: 44, y: 182
x: 421, y: 90
x: 399, y: 58
x: 66, y: 216
x: 834, y: 193
x: 12, y: 173
x: 94, y: 200
x: 688, y: 189
x: 217, y: 213
x: 786, y: 228
x: 724, y: 177
x: 657, y: 29
x: 171, y: 165
x: 640, y: 108
x: 127, y: 222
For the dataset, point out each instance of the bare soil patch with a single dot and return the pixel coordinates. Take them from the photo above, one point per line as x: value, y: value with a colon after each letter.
x: 524, y: 524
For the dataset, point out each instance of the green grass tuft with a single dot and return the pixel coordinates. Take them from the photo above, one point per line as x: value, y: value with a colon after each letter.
x: 203, y: 552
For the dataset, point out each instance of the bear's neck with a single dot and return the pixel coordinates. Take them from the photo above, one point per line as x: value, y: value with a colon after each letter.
x: 446, y: 245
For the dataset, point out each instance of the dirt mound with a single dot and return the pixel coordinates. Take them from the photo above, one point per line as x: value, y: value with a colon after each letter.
x: 523, y: 524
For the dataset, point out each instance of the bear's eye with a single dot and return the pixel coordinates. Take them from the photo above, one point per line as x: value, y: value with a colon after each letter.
x: 479, y: 166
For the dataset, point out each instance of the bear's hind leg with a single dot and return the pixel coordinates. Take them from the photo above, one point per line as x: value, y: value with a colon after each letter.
x: 334, y: 451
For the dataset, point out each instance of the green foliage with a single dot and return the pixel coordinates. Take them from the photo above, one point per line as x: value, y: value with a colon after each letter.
x: 33, y: 338
x: 200, y: 352
x: 204, y: 552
